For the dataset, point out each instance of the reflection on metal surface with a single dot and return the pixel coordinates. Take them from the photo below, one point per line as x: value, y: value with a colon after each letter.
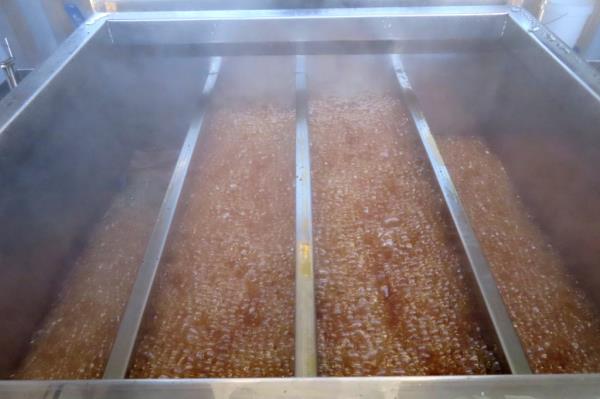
x: 306, y: 342
x: 497, y: 387
x: 130, y: 323
x: 498, y: 313
x: 561, y: 72
x: 546, y: 42
x: 39, y: 79
x: 397, y: 24
x: 179, y: 5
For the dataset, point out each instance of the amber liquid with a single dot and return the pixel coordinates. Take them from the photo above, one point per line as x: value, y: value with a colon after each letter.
x: 393, y: 298
x: 76, y: 337
x: 558, y: 325
x: 223, y: 303
x: 394, y: 295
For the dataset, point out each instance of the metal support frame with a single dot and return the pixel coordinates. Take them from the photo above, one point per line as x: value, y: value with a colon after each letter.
x: 188, y: 5
x: 124, y: 344
x: 306, y: 342
x: 503, y: 326
x: 15, y: 104
x: 563, y: 386
x: 565, y: 65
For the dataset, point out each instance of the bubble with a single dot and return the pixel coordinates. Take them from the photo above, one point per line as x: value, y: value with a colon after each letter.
x: 392, y: 302
x: 225, y: 296
x: 558, y: 325
x: 76, y: 337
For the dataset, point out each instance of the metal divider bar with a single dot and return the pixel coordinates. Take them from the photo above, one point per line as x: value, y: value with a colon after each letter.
x: 305, y: 329
x: 123, y: 346
x: 505, y: 331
